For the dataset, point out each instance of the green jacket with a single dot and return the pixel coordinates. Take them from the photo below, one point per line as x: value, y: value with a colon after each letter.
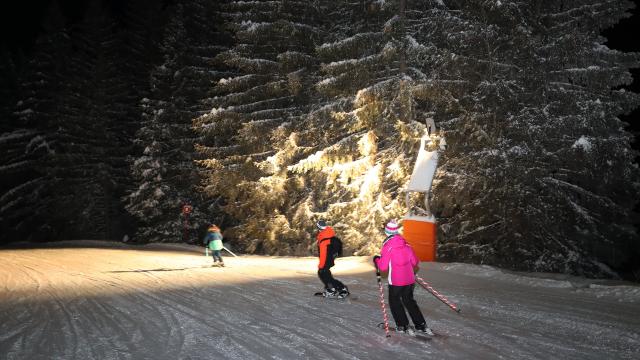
x: 213, y: 240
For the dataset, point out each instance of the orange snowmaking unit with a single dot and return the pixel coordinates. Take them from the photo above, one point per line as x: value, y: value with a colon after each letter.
x: 419, y: 225
x: 420, y: 233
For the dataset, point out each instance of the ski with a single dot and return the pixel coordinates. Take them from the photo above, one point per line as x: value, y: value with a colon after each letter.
x: 321, y: 294
x: 414, y: 334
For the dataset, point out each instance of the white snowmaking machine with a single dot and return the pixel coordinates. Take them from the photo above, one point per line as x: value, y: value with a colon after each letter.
x: 419, y: 225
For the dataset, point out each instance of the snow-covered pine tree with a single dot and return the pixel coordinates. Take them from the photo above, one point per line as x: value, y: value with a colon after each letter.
x: 133, y: 53
x: 78, y: 96
x: 250, y: 128
x: 9, y: 91
x: 165, y: 174
x: 344, y: 159
x: 89, y: 142
x: 539, y: 174
x: 27, y: 144
x: 591, y: 178
x: 357, y: 146
x: 485, y: 71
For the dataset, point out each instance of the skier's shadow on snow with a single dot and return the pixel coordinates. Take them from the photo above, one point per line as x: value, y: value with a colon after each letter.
x: 151, y: 270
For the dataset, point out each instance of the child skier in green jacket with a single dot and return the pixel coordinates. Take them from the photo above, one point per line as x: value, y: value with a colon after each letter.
x: 213, y: 240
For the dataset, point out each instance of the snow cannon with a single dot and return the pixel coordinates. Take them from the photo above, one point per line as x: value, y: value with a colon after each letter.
x: 420, y: 233
x: 419, y: 225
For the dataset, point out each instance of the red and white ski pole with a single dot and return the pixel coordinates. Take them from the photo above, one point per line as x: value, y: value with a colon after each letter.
x: 384, y: 310
x: 435, y: 293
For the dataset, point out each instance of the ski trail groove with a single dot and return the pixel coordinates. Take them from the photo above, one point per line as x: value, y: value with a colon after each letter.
x: 166, y: 303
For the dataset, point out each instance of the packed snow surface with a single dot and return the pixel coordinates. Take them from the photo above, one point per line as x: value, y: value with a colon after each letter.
x: 98, y: 300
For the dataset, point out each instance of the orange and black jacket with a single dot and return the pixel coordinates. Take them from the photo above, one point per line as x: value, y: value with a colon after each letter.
x: 324, y: 239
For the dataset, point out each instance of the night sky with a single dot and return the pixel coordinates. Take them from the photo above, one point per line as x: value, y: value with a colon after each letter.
x: 624, y: 37
x: 22, y: 20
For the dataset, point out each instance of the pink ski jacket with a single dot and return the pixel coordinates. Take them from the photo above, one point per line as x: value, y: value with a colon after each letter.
x: 399, y: 259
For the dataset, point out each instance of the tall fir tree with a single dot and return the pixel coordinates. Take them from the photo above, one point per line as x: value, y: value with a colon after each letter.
x: 267, y: 96
x: 28, y: 142
x: 522, y: 184
x: 76, y: 108
x: 95, y: 125
x: 165, y: 173
x: 488, y: 74
x: 356, y: 146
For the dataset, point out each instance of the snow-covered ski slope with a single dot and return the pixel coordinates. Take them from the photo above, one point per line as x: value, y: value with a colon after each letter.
x: 97, y: 300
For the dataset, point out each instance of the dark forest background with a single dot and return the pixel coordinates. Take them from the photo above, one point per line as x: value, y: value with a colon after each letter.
x: 267, y: 115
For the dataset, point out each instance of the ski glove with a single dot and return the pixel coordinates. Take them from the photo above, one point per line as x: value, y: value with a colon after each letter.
x: 375, y: 259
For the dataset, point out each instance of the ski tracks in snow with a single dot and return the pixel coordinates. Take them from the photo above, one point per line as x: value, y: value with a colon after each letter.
x: 110, y: 302
x: 101, y: 303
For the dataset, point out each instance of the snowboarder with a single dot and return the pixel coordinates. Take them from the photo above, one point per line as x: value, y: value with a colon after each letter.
x: 400, y: 261
x: 326, y: 255
x: 213, y: 241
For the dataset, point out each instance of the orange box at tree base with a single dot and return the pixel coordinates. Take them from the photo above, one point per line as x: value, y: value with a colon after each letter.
x: 421, y: 235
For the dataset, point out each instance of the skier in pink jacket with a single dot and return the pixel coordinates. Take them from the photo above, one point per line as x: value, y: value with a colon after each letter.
x: 400, y: 261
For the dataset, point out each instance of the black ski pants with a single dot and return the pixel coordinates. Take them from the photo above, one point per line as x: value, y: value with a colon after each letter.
x: 328, y: 280
x: 401, y: 298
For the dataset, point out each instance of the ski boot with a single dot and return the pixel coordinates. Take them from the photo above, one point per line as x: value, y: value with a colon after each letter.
x: 424, y: 329
x: 343, y: 293
x: 330, y: 293
x: 405, y: 329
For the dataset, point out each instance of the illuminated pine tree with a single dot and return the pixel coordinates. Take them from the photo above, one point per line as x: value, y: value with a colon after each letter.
x: 244, y: 136
x: 358, y: 143
x: 523, y: 93
x: 345, y: 159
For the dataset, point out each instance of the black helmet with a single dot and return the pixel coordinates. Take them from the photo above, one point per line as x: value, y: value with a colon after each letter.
x: 321, y: 224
